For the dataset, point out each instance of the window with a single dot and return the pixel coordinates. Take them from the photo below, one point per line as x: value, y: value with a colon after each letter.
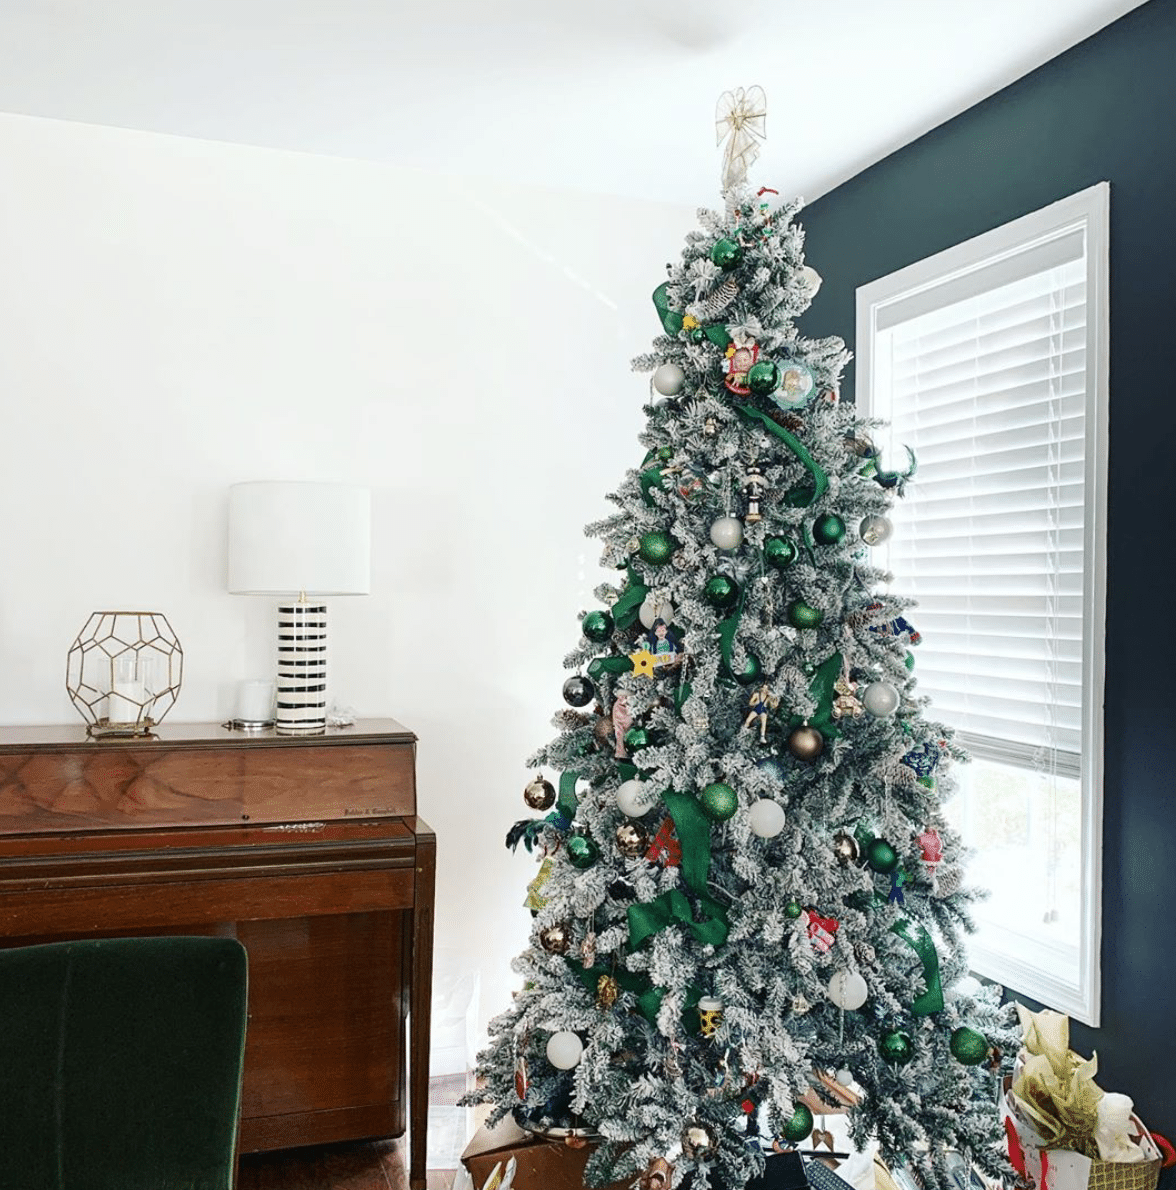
x: 989, y: 361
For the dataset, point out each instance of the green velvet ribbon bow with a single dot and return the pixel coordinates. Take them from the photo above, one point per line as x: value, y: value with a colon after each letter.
x: 672, y: 322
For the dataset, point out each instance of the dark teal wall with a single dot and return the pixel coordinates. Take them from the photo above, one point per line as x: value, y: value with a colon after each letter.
x: 1104, y: 110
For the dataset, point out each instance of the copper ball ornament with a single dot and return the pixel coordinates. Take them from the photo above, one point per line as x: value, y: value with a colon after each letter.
x: 806, y: 743
x: 632, y: 839
x: 539, y: 794
x: 556, y: 939
x: 698, y: 1141
x: 845, y: 848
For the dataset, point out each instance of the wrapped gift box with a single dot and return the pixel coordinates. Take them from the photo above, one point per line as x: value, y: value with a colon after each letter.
x: 541, y: 1164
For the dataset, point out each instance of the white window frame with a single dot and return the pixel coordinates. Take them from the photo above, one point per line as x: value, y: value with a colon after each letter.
x: 1088, y: 210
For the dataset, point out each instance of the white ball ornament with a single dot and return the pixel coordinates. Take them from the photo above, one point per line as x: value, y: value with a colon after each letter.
x: 631, y: 799
x: 875, y: 529
x: 669, y: 380
x: 652, y: 610
x: 881, y: 699
x: 727, y: 533
x: 848, y: 990
x: 811, y: 280
x: 564, y: 1049
x: 844, y: 1076
x: 766, y: 818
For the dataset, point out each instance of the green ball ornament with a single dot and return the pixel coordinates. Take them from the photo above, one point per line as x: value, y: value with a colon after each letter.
x: 583, y: 851
x: 763, y: 379
x: 636, y: 737
x: 801, y: 615
x: 696, y: 334
x: 719, y: 801
x: 792, y: 910
x: 721, y: 592
x: 881, y: 857
x: 665, y: 453
x: 727, y: 254
x: 655, y: 548
x: 779, y: 552
x: 828, y: 529
x: 969, y: 1047
x: 800, y: 1125
x: 896, y: 1047
x: 751, y: 671
x: 597, y: 626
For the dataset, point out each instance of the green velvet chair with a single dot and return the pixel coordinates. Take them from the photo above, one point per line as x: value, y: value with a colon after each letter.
x: 120, y: 1064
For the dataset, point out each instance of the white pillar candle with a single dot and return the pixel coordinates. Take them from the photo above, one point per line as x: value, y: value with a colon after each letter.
x: 125, y: 701
x: 255, y: 701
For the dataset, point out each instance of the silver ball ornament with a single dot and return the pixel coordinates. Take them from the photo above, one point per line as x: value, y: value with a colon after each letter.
x: 881, y: 699
x: 848, y: 990
x: 874, y: 530
x: 653, y: 610
x: 669, y: 380
x: 766, y: 818
x: 631, y: 799
x: 727, y: 533
x: 564, y: 1049
x: 844, y: 1076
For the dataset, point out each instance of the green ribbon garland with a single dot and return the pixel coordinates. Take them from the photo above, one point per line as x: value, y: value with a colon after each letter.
x: 568, y: 803
x: 628, y: 606
x: 694, y: 833
x: 672, y: 322
x: 794, y: 444
x: 672, y: 907
x: 609, y: 665
x: 821, y: 688
x: 727, y: 630
x: 917, y: 937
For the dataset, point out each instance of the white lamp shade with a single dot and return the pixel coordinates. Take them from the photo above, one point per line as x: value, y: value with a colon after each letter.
x: 286, y: 538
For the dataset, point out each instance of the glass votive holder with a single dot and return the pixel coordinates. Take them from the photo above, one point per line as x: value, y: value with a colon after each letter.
x: 255, y: 705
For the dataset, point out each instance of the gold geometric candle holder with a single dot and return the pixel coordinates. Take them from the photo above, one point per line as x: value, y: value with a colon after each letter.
x: 123, y: 672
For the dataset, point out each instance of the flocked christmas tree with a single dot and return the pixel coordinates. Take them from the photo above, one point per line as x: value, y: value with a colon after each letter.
x: 747, y: 896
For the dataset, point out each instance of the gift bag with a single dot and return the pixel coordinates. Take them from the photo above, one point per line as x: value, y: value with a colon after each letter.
x: 1063, y: 1169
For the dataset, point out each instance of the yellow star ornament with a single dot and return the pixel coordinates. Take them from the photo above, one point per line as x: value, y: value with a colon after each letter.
x: 643, y: 662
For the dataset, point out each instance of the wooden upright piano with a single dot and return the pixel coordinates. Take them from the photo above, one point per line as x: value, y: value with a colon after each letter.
x: 305, y: 848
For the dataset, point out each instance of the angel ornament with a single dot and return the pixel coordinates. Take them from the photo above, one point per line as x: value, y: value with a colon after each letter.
x: 761, y: 701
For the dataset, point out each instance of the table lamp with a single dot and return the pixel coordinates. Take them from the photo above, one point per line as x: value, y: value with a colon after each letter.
x: 307, y: 540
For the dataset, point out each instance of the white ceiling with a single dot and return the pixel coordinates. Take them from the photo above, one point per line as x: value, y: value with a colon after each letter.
x: 614, y: 96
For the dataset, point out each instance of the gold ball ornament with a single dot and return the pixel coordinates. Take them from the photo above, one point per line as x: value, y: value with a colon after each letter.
x: 845, y: 848
x: 539, y: 794
x: 658, y: 1175
x: 806, y: 743
x: 556, y: 939
x: 632, y: 839
x: 698, y: 1141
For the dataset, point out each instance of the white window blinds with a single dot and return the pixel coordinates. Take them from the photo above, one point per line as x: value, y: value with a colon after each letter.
x: 985, y: 376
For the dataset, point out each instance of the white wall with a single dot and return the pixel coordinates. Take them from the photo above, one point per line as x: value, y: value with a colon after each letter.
x: 177, y: 315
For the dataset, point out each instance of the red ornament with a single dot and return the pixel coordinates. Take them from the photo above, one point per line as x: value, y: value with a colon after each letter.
x: 747, y: 1106
x: 932, y: 846
x: 822, y: 931
x: 665, y: 848
x: 738, y: 363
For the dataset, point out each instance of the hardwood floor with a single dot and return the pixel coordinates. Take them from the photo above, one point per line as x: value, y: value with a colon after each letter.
x: 371, y: 1165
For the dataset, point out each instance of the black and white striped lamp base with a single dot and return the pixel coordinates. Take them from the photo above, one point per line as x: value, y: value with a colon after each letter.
x: 302, y: 669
